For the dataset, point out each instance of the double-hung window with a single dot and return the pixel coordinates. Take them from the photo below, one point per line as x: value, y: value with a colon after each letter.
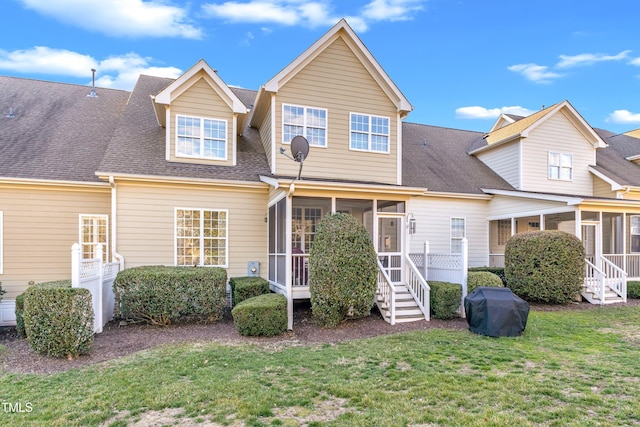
x: 305, y: 121
x: 94, y: 230
x: 369, y: 133
x: 635, y: 234
x: 560, y: 166
x: 201, y: 138
x: 458, y: 233
x: 201, y: 237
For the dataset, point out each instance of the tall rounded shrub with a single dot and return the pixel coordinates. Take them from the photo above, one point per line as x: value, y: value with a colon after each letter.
x: 342, y: 270
x: 545, y: 266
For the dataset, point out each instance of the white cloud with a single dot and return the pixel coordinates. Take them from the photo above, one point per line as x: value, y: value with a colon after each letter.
x: 567, y: 61
x: 476, y: 112
x: 119, y: 72
x: 623, y: 117
x: 535, y: 73
x: 44, y: 60
x: 391, y: 10
x: 310, y: 13
x: 121, y: 18
x: 635, y: 61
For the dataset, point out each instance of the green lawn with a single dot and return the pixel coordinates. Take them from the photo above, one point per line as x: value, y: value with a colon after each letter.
x: 573, y: 368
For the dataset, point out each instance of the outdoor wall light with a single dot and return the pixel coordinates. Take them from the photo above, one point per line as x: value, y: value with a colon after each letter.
x: 412, y: 225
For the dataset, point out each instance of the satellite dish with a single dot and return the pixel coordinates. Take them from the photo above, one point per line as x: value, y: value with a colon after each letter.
x: 299, y: 149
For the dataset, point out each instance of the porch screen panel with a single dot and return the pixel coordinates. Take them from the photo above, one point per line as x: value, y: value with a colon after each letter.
x: 634, y: 229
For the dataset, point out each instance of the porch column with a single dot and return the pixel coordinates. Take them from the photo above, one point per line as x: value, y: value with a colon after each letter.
x: 288, y: 262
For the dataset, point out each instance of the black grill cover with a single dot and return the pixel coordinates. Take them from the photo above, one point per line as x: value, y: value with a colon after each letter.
x: 496, y: 312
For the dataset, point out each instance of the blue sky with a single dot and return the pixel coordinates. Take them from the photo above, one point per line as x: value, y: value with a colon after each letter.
x: 460, y: 63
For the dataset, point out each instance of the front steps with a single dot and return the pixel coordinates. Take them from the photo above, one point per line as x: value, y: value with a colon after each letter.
x: 610, y: 297
x: 407, y: 309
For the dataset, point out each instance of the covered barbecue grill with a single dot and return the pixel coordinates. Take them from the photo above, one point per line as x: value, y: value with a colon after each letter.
x: 496, y: 312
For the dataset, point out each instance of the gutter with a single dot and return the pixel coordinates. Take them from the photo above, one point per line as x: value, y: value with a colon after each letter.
x: 115, y: 254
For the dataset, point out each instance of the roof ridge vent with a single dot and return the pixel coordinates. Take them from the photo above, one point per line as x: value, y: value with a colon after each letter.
x: 10, y: 114
x: 93, y: 93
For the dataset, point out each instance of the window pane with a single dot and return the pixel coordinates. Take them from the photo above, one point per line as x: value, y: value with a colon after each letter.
x: 359, y: 141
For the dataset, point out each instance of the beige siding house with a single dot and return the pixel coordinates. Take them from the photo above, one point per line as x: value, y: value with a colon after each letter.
x: 193, y: 172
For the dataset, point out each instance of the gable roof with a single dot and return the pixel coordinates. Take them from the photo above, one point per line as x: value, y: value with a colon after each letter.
x: 345, y: 32
x: 436, y: 158
x: 614, y: 162
x: 200, y: 70
x: 521, y: 128
x: 57, y: 133
x: 137, y: 148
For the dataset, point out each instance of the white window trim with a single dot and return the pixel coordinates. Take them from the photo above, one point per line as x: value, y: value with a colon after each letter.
x: 464, y: 232
x: 1, y: 242
x: 559, y: 166
x: 305, y: 126
x: 630, y: 232
x: 175, y: 235
x: 202, y: 119
x: 369, y: 150
x: 105, y: 249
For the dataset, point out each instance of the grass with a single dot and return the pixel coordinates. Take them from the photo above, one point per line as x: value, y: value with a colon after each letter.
x: 575, y: 368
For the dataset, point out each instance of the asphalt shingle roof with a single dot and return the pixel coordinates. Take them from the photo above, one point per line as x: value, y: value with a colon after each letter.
x: 57, y: 132
x: 138, y: 144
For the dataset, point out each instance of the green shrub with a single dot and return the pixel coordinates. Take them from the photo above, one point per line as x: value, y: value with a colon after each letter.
x: 59, y: 320
x: 160, y: 295
x: 263, y: 315
x: 633, y: 290
x: 20, y: 303
x: 342, y: 270
x: 445, y: 300
x: 482, y: 278
x: 498, y: 271
x: 246, y: 287
x: 545, y: 266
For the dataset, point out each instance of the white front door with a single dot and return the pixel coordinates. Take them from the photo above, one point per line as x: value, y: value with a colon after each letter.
x: 391, y: 244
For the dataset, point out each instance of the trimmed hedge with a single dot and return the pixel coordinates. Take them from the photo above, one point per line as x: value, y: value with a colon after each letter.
x: 343, y: 270
x: 58, y: 320
x: 161, y: 295
x: 498, y: 271
x: 263, y: 315
x: 20, y: 303
x: 633, y: 290
x: 545, y: 266
x: 445, y: 300
x: 482, y: 278
x: 246, y: 287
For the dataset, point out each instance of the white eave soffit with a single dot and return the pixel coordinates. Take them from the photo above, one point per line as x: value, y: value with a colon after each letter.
x: 177, y: 87
x: 367, y: 59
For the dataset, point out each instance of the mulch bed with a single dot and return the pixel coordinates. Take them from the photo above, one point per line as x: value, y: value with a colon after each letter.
x: 117, y: 341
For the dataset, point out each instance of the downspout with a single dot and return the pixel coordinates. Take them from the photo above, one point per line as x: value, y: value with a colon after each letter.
x: 115, y: 254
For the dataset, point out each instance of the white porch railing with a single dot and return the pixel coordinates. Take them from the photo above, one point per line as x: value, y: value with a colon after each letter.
x: 599, y: 281
x: 300, y: 267
x: 418, y: 287
x: 98, y: 277
x: 627, y: 262
x: 386, y: 292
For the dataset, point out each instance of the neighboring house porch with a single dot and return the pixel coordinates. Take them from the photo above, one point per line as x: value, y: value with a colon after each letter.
x: 609, y: 231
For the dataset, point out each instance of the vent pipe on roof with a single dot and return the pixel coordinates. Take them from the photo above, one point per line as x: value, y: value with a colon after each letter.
x: 10, y: 114
x: 93, y: 93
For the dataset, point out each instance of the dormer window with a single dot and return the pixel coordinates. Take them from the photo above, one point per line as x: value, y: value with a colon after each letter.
x: 201, y: 138
x: 560, y: 166
x: 306, y: 121
x: 369, y: 133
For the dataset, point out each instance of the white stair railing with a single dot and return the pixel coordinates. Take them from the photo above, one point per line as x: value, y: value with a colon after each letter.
x: 386, y: 293
x: 615, y: 278
x: 418, y: 287
x: 610, y: 277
